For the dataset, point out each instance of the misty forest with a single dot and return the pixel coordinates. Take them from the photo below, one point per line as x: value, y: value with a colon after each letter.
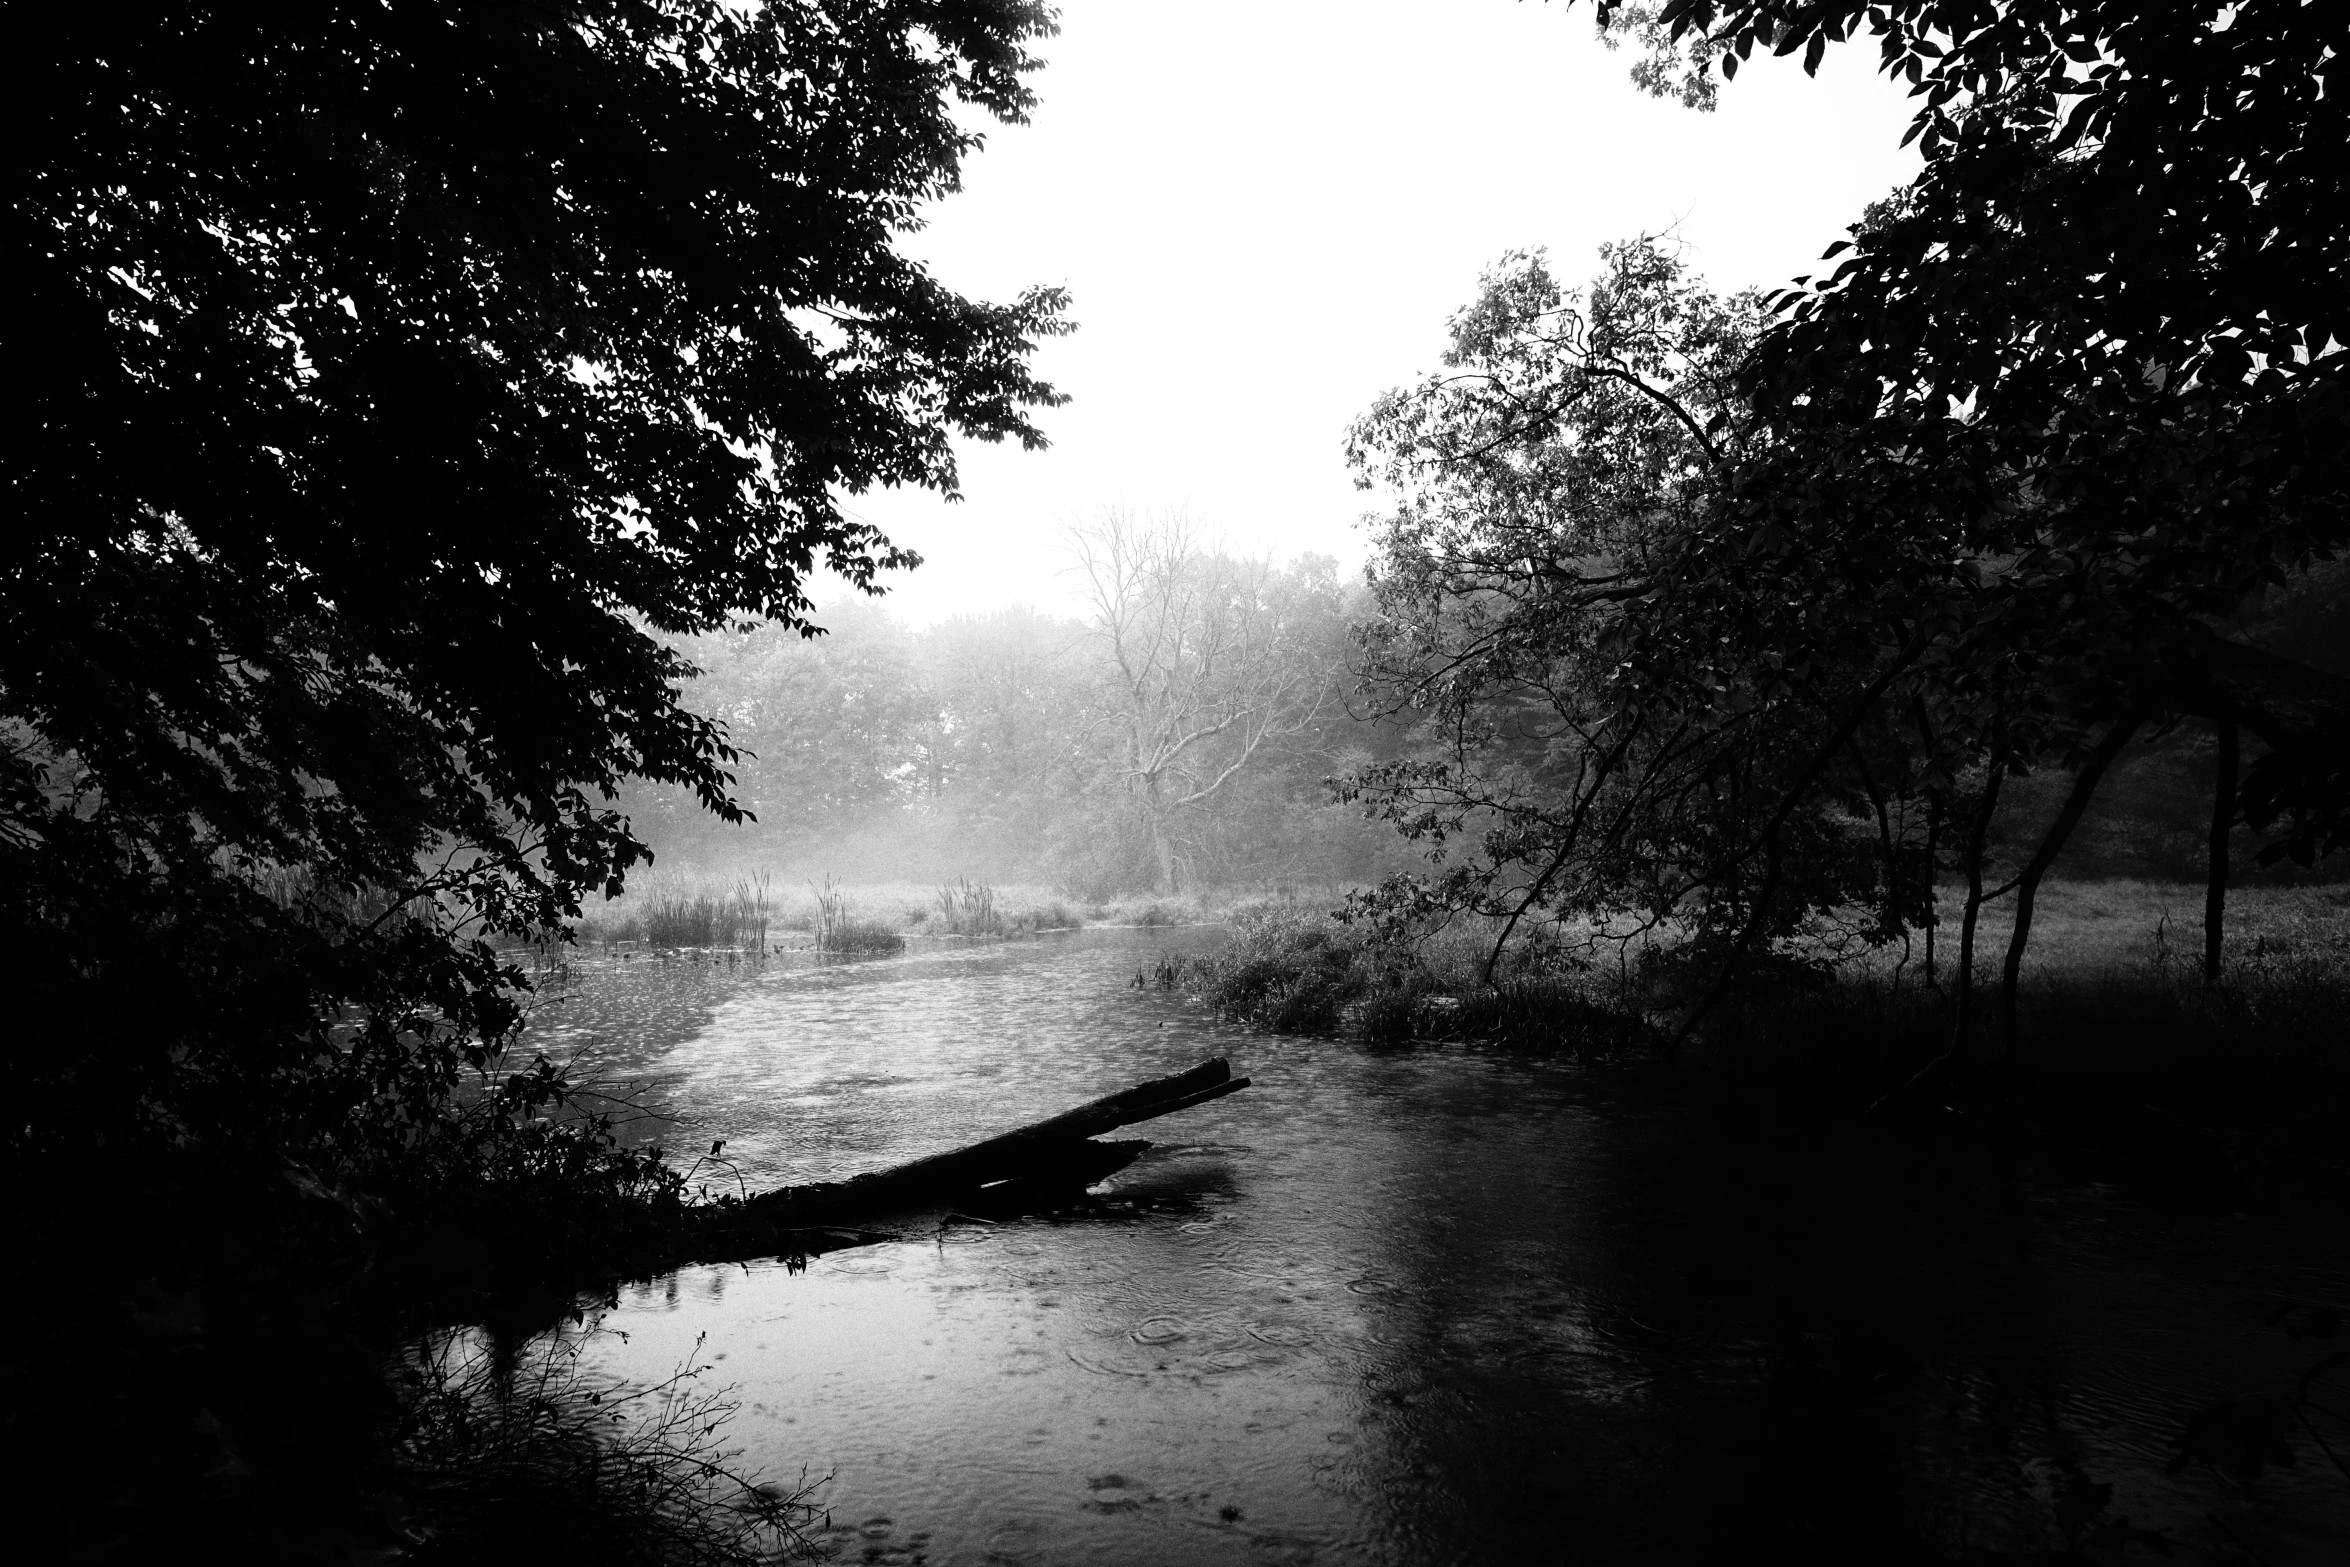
x: 1759, y: 975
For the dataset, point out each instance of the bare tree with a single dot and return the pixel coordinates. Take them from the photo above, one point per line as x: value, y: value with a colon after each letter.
x: 1210, y: 664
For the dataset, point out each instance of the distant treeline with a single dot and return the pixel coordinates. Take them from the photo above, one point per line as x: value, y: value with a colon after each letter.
x: 1178, y: 737
x: 1187, y: 734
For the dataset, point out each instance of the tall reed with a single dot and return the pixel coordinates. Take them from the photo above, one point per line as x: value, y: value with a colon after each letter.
x: 750, y: 911
x: 839, y: 931
x: 968, y: 909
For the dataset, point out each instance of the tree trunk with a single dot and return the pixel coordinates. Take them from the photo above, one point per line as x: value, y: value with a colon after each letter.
x: 2300, y: 713
x: 1976, y: 833
x: 1162, y: 841
x: 1891, y: 854
x: 2223, y: 816
x: 1746, y: 935
x: 1035, y: 1166
x: 2028, y: 884
x: 1163, y: 851
x: 1933, y: 884
x: 1056, y: 1151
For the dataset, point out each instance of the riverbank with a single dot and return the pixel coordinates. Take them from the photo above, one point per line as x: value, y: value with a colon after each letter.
x: 285, y: 1379
x: 2123, y: 1047
x: 259, y: 1365
x: 750, y: 911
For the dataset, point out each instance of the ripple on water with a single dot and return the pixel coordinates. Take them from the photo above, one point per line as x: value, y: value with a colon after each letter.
x: 1102, y: 1367
x: 1280, y: 1335
x: 1407, y: 1308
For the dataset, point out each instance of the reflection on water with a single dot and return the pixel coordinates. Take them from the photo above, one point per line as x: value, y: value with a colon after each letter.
x: 1426, y: 1307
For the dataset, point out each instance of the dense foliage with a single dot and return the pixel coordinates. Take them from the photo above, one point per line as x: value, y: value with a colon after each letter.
x: 2099, y: 337
x: 1711, y: 614
x: 395, y: 376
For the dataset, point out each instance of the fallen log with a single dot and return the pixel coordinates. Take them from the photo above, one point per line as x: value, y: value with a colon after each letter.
x: 1055, y: 1154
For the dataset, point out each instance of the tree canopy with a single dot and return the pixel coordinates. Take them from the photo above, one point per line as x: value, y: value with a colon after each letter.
x: 393, y: 377
x: 1992, y: 495
x: 2101, y: 335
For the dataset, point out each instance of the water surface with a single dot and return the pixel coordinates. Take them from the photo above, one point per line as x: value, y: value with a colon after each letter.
x: 1426, y: 1306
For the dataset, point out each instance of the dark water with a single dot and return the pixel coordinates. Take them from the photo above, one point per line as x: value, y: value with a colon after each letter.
x: 1432, y: 1306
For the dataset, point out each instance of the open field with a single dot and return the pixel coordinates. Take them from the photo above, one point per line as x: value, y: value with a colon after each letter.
x: 2095, y: 926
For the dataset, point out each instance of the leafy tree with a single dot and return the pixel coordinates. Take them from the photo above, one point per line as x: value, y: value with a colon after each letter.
x: 2100, y: 338
x: 2116, y: 289
x: 1554, y: 484
x: 396, y: 376
x: 1983, y: 499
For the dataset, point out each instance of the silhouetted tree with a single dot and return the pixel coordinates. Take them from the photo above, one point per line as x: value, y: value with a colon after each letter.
x: 2116, y: 288
x: 391, y: 378
x: 1982, y: 500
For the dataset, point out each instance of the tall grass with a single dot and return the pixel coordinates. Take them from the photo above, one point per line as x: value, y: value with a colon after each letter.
x: 968, y: 909
x: 527, y: 1456
x: 839, y: 931
x: 674, y: 914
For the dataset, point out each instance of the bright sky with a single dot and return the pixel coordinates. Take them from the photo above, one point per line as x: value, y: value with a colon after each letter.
x: 1265, y: 212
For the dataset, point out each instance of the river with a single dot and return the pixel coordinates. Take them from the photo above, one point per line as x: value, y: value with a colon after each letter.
x: 1431, y: 1305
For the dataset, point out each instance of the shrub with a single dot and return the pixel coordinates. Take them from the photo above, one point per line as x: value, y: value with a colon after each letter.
x: 1051, y: 915
x: 1291, y: 974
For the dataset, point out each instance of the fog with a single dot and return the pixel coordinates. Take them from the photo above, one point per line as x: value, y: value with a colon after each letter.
x: 1179, y: 736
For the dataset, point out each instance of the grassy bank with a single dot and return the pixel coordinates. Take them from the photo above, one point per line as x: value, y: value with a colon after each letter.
x: 2121, y: 1042
x: 754, y: 911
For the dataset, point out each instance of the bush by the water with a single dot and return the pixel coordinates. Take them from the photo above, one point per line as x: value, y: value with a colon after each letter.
x: 1296, y: 972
